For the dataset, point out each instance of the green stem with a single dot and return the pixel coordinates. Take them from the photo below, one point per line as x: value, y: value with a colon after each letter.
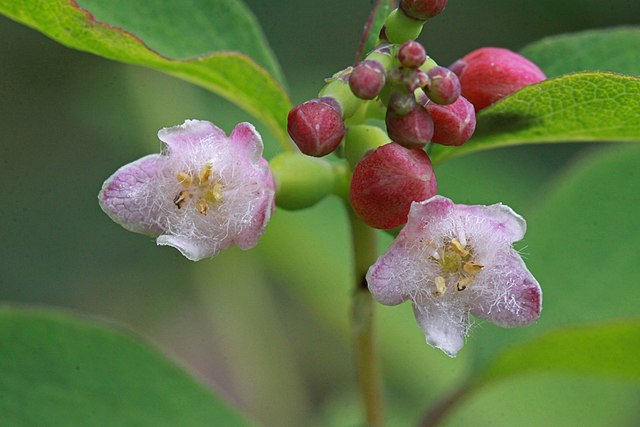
x: 441, y: 408
x: 366, y: 354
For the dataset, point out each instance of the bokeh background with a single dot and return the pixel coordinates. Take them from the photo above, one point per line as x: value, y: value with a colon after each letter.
x: 268, y: 328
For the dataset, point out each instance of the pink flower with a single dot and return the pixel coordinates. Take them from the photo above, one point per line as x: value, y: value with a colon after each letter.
x: 202, y: 194
x: 454, y: 260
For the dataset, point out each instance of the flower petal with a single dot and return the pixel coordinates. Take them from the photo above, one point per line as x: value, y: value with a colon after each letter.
x: 127, y: 196
x: 191, y: 132
x: 500, y: 218
x: 383, y: 279
x: 262, y: 213
x: 429, y: 211
x: 244, y: 135
x: 445, y: 325
x: 192, y: 248
x: 508, y: 295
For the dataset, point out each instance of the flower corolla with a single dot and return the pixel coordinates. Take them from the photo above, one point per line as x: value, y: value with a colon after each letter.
x: 202, y: 194
x: 453, y: 260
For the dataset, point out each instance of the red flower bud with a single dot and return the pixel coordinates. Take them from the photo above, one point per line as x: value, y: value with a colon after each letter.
x: 422, y: 9
x: 443, y: 87
x: 316, y: 126
x: 408, y: 125
x: 367, y: 79
x: 489, y: 74
x: 386, y: 181
x: 454, y: 123
x: 411, y: 54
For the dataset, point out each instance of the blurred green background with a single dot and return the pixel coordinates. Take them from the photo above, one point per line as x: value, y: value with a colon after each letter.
x: 269, y: 328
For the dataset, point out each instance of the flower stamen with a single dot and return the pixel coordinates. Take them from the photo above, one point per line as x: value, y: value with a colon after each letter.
x: 202, y: 206
x: 205, y: 173
x: 181, y: 199
x: 441, y: 286
x: 456, y: 246
x: 207, y: 190
x: 464, y: 283
x: 472, y: 268
x: 184, y: 179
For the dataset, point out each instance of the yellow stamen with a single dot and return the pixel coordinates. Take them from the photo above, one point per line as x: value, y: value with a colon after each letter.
x: 472, y: 268
x: 214, y: 195
x: 184, y: 179
x: 181, y: 199
x: 455, y: 244
x: 441, y: 286
x: 205, y: 173
x: 203, y: 206
x: 464, y: 282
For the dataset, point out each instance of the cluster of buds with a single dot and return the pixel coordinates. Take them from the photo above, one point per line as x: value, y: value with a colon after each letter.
x: 207, y: 191
x: 421, y: 103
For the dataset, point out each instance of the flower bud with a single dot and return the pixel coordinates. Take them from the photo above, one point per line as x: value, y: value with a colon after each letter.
x: 443, y: 87
x: 454, y: 123
x: 411, y: 54
x: 422, y: 9
x: 387, y: 181
x: 367, y: 79
x: 408, y: 123
x: 489, y: 74
x: 316, y: 126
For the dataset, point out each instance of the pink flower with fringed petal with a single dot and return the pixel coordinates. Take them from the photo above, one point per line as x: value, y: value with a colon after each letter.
x: 455, y: 260
x: 202, y: 194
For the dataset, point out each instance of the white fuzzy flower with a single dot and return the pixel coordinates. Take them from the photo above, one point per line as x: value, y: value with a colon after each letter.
x: 454, y: 260
x: 203, y: 193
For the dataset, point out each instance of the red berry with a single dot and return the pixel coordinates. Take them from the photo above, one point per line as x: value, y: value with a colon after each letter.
x: 454, y: 123
x: 489, y: 74
x: 316, y: 126
x: 387, y: 180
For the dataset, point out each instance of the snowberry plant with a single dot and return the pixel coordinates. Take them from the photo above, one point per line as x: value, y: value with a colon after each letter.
x: 374, y: 137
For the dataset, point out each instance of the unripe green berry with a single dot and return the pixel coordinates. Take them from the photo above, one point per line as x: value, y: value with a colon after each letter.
x: 339, y: 90
x: 400, y: 28
x: 301, y: 181
x: 428, y: 64
x: 361, y: 139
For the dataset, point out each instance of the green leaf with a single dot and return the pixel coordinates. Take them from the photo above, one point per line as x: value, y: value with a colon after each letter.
x: 189, y: 28
x: 607, y: 349
x: 609, y: 49
x: 581, y: 107
x: 581, y: 245
x: 373, y: 26
x: 233, y: 75
x: 56, y: 370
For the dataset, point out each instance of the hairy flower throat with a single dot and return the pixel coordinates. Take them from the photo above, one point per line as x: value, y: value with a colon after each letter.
x: 203, y: 187
x: 457, y: 267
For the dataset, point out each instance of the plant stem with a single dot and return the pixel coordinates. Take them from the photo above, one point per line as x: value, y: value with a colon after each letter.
x: 366, y: 354
x: 441, y: 408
